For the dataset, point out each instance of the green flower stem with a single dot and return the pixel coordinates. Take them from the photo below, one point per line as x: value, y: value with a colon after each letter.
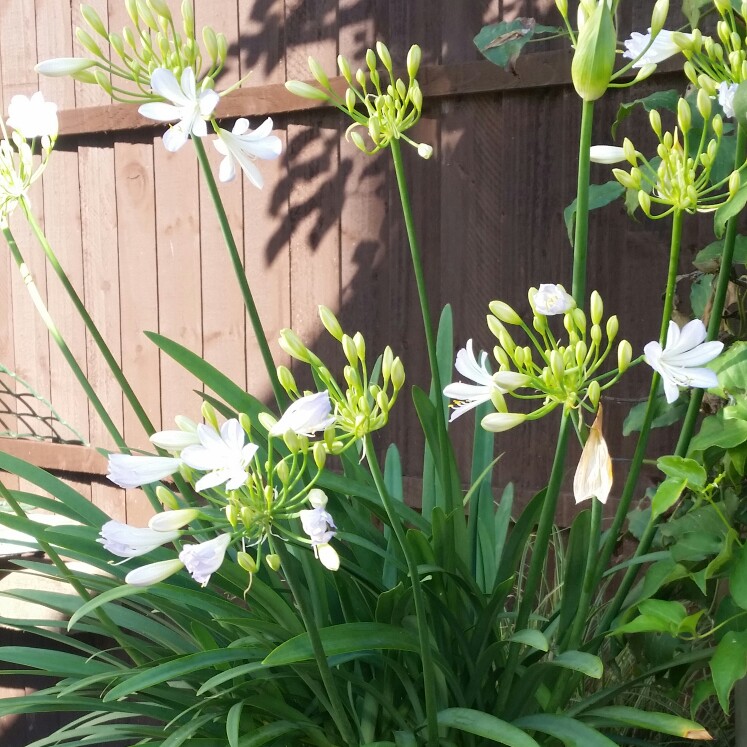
x: 82, y: 592
x: 111, y: 361
x: 106, y: 353
x: 581, y: 236
x: 430, y: 337
x: 58, y: 338
x: 429, y: 672
x: 696, y: 395
x: 539, y: 555
x: 631, y: 482
x: 337, y: 709
x: 238, y: 267
x: 719, y: 301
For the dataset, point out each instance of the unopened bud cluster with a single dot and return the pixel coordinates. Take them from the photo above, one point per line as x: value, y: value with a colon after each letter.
x: 715, y: 62
x: 361, y: 406
x: 554, y: 373
x: 384, y: 108
x: 152, y: 42
x: 682, y: 179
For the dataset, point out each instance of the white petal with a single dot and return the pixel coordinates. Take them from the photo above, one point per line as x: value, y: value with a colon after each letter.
x: 459, y: 410
x: 240, y: 126
x: 227, y: 171
x: 207, y: 102
x: 328, y: 556
x: 160, y: 111
x: 671, y: 391
x: 460, y: 391
x: 164, y: 84
x: 606, y: 154
x: 212, y: 479
x: 188, y: 84
x: 253, y: 174
x: 261, y: 132
x: 703, y: 353
x: 174, y: 138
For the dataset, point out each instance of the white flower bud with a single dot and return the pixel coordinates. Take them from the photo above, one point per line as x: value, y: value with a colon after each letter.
x: 148, y: 575
x: 168, y: 521
x: 63, y: 66
x: 497, y: 422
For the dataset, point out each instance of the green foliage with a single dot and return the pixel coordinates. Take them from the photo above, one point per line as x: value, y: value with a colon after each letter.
x: 502, y: 43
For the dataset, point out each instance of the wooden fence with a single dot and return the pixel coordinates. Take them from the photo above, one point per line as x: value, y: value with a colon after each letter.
x: 134, y: 227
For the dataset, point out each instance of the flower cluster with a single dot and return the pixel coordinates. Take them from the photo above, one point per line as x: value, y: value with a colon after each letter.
x: 172, y: 81
x: 251, y: 494
x: 25, y: 152
x: 362, y: 406
x: 563, y: 374
x: 384, y: 110
x: 682, y: 179
x: 717, y: 65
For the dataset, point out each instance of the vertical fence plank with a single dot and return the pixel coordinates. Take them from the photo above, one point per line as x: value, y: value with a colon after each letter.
x: 63, y: 229
x: 136, y: 238
x: 313, y: 157
x: 223, y: 315
x: 266, y: 229
x: 101, y: 262
x: 179, y: 282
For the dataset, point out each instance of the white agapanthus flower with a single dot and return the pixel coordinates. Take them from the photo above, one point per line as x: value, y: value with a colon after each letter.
x: 131, y: 542
x: 244, y: 146
x: 678, y: 363
x: 318, y: 523
x: 190, y: 108
x: 133, y: 471
x: 469, y: 396
x: 726, y: 93
x: 662, y: 48
x: 150, y: 574
x: 306, y: 416
x: 204, y: 559
x: 33, y: 116
x: 552, y: 299
x: 224, y: 456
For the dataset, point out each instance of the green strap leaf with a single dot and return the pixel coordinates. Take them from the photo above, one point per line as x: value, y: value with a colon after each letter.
x: 171, y: 670
x: 117, y: 592
x: 664, y: 723
x: 484, y: 725
x: 570, y: 732
x: 344, y: 639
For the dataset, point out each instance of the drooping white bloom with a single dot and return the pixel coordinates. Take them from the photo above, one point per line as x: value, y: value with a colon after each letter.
x: 168, y: 521
x: 593, y: 478
x: 204, y: 559
x: 244, y: 146
x: 607, y: 154
x: 187, y: 106
x: 662, y: 48
x: 726, y: 93
x: 318, y: 524
x: 497, y: 422
x: 33, y: 116
x: 552, y: 299
x: 678, y: 363
x: 133, y: 471
x: 306, y: 416
x: 225, y: 456
x: 469, y: 396
x: 130, y: 542
x: 152, y: 573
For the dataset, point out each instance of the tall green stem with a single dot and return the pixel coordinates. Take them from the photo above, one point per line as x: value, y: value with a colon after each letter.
x: 337, y: 709
x: 238, y: 268
x: 581, y: 237
x: 54, y: 332
x: 430, y: 336
x: 635, y: 466
x: 539, y: 555
x: 93, y: 330
x: 696, y: 395
x: 429, y: 672
x: 631, y: 482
